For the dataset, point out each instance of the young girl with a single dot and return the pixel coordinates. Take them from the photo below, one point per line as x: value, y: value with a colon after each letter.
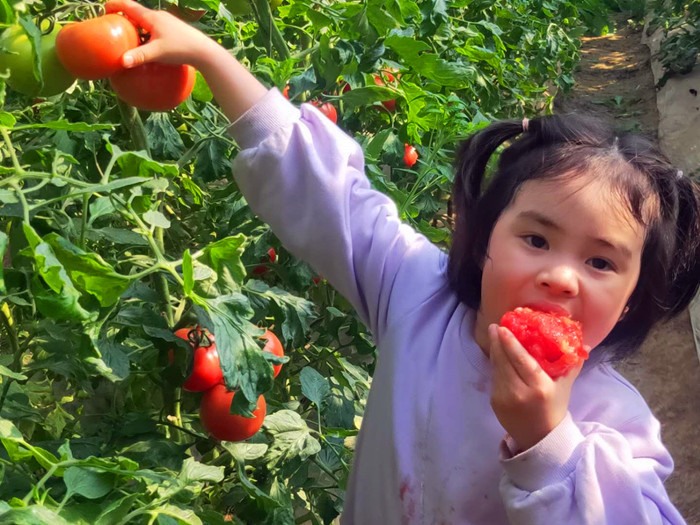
x: 462, y: 426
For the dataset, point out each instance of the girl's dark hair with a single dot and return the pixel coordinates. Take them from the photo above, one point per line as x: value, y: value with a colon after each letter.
x: 659, y: 197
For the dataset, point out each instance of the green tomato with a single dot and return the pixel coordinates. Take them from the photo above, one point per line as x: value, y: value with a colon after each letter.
x: 17, y: 56
x: 242, y: 7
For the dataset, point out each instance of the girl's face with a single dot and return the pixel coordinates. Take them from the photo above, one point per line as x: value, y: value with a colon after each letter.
x: 562, y: 246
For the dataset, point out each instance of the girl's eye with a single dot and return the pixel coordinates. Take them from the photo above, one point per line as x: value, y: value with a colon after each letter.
x: 535, y: 241
x: 600, y: 264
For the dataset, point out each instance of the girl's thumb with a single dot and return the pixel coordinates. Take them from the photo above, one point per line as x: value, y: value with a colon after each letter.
x: 137, y: 57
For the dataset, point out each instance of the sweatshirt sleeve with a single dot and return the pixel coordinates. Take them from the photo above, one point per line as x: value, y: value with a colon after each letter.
x: 305, y: 177
x: 588, y: 473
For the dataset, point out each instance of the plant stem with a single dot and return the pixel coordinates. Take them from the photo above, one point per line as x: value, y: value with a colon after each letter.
x: 267, y: 26
x: 17, y: 352
x: 132, y: 122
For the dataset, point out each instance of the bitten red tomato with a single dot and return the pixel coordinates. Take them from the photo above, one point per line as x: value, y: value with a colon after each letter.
x: 273, y: 346
x: 328, y: 110
x: 93, y: 48
x: 555, y: 341
x: 410, y: 156
x: 206, y: 369
x: 154, y: 86
x: 214, y: 413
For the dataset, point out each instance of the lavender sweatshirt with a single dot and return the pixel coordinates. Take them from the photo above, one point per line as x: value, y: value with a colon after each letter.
x: 431, y: 450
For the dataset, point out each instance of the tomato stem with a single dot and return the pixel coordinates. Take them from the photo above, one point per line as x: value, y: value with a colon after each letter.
x: 17, y: 351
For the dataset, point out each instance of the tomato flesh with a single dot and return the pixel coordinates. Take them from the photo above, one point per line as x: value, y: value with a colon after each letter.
x: 154, y: 86
x: 214, y: 413
x: 273, y: 346
x: 16, y: 56
x: 93, y: 49
x: 555, y: 341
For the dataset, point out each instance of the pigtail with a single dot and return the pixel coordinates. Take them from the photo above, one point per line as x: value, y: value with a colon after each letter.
x: 685, y: 275
x: 473, y: 155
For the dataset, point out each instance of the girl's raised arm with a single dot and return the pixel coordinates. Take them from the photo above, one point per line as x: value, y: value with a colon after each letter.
x: 175, y: 42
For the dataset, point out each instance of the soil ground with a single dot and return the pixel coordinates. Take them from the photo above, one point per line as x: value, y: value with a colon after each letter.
x: 614, y: 81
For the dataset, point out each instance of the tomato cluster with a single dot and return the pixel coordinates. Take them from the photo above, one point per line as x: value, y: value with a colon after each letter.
x: 207, y: 377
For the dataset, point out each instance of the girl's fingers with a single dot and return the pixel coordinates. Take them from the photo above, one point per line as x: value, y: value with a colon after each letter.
x: 139, y: 14
x: 142, y: 54
x: 504, y: 373
x: 526, y: 366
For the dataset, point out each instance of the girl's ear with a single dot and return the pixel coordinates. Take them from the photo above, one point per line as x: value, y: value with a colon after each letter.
x: 624, y: 313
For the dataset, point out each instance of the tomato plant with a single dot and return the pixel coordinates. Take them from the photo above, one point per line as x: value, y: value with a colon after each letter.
x: 153, y: 86
x: 219, y: 422
x: 92, y: 49
x: 116, y: 227
x: 16, y: 56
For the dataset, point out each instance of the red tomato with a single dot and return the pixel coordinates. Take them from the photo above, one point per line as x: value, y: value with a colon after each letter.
x: 285, y: 92
x: 154, y: 86
x: 273, y: 346
x: 390, y: 105
x: 317, y: 279
x: 271, y: 257
x: 328, y: 110
x: 214, y: 413
x: 206, y: 370
x: 555, y: 341
x: 410, y: 156
x: 93, y: 48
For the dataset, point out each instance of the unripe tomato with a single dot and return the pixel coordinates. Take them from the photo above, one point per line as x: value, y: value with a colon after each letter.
x: 328, y: 110
x: 273, y: 346
x: 16, y: 55
x: 410, y: 156
x: 214, y: 413
x: 154, y: 86
x: 206, y: 369
x: 93, y: 48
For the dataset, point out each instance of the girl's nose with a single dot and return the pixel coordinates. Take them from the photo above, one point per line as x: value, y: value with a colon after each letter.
x: 559, y: 280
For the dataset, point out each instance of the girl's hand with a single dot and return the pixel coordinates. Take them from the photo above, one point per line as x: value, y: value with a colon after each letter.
x: 172, y: 40
x: 527, y: 402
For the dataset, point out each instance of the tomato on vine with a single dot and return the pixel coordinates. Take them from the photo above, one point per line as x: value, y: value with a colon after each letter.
x: 410, y: 155
x: 270, y: 257
x: 328, y: 110
x: 154, y: 86
x: 215, y: 415
x: 206, y: 369
x: 92, y: 49
x: 274, y: 346
x: 390, y: 105
x: 16, y: 56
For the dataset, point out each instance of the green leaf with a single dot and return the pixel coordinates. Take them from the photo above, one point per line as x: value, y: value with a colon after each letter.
x: 186, y: 516
x: 117, y: 511
x: 138, y: 163
x: 187, y: 273
x: 224, y: 257
x: 201, y: 91
x: 163, y: 138
x: 87, y: 482
x: 9, y: 431
x: 7, y: 119
x: 6, y: 372
x: 291, y: 437
x: 34, y: 515
x: 314, y: 385
x: 245, y: 451
x: 117, y: 236
x: 243, y: 362
x: 156, y: 218
x: 89, y: 271
x: 60, y: 300
x: 67, y: 126
x: 194, y: 471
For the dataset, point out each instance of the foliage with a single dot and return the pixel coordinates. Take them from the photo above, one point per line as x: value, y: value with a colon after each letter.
x: 680, y: 48
x: 115, y: 231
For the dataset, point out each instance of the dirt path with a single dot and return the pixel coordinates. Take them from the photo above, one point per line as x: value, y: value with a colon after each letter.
x: 614, y: 81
